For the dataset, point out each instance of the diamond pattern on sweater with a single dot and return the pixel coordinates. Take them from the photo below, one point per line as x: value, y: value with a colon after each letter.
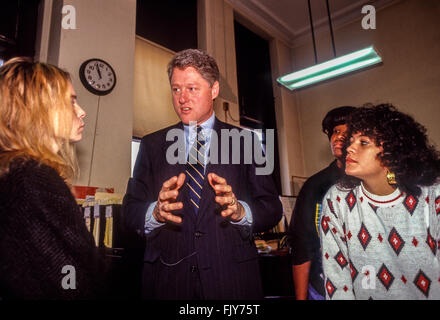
x: 379, y: 237
x: 324, y: 225
x: 353, y: 271
x: 396, y: 241
x: 340, y: 259
x: 422, y: 282
x: 437, y: 205
x: 410, y: 203
x: 373, y: 207
x: 331, y: 289
x: 431, y: 243
x: 351, y: 200
x: 332, y: 209
x: 385, y: 277
x: 364, y: 236
x: 378, y: 233
x: 415, y: 242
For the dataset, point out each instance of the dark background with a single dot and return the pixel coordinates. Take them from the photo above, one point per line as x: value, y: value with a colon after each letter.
x: 255, y: 92
x: 170, y: 23
x: 18, y: 25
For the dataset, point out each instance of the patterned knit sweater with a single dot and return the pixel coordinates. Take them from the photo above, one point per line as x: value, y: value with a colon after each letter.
x: 381, y: 247
x: 41, y: 231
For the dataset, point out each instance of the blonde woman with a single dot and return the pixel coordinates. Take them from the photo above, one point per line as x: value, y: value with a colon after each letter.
x: 45, y: 249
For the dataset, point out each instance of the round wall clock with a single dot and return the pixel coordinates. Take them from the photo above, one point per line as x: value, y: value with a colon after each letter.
x: 97, y: 76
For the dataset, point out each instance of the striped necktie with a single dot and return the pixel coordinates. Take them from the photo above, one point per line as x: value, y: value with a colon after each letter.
x: 195, y: 169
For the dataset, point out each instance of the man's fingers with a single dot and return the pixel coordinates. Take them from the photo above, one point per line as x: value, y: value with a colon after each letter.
x: 168, y: 185
x: 234, y: 213
x: 214, y: 179
x: 180, y: 181
x: 170, y: 217
x: 210, y: 180
x: 224, y: 200
x: 218, y: 179
x: 222, y: 188
x: 165, y: 202
x: 167, y: 207
x: 168, y: 195
x: 227, y: 213
x: 171, y: 186
x: 164, y: 212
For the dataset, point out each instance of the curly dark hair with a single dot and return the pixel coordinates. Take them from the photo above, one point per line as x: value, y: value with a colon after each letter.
x: 199, y: 60
x: 335, y: 117
x: 406, y: 150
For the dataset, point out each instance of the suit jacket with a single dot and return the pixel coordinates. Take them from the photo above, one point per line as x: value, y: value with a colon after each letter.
x: 204, y: 245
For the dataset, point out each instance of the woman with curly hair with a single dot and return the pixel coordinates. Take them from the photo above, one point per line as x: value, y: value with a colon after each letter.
x: 46, y: 251
x: 381, y: 224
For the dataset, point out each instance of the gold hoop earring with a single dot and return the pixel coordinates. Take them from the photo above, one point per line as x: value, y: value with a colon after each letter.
x: 391, y: 178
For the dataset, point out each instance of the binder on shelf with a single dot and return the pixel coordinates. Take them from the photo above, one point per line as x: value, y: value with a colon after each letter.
x: 97, y: 226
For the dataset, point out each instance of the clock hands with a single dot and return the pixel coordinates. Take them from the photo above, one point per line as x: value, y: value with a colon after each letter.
x: 99, y: 82
x: 99, y: 71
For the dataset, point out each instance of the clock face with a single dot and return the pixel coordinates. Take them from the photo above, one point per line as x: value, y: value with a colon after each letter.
x: 97, y: 76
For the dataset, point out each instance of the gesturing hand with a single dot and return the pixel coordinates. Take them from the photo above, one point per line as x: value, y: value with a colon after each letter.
x: 226, y: 198
x: 166, y: 201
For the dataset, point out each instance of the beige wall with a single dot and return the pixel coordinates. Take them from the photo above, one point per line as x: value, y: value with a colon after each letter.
x: 288, y: 124
x: 105, y: 29
x: 216, y: 36
x: 408, y: 39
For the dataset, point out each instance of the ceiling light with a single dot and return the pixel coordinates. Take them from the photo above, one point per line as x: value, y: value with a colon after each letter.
x: 336, y: 67
x: 330, y: 69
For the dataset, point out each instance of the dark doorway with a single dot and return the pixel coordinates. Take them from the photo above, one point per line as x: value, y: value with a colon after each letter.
x: 18, y: 25
x: 255, y: 92
x: 169, y: 23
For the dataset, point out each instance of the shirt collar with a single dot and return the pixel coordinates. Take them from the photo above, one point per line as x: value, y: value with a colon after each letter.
x: 206, y: 128
x: 383, y: 201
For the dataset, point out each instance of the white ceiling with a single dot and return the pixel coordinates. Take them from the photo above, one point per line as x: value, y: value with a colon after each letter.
x: 289, y: 19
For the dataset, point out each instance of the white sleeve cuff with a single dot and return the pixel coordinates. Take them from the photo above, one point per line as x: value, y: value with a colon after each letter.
x: 247, y: 219
x: 150, y: 222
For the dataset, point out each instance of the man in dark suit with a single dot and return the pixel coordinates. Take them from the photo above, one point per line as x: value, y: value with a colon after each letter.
x: 303, y: 233
x: 198, y: 216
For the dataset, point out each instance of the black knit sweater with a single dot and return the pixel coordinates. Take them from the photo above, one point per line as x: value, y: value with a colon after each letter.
x: 41, y: 231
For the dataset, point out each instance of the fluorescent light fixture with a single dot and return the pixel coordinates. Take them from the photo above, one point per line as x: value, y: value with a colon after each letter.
x: 332, y: 68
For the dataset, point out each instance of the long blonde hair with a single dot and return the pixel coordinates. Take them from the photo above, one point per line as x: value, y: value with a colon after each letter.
x: 32, y: 96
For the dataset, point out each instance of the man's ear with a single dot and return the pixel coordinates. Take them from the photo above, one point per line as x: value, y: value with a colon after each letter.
x: 215, y: 89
